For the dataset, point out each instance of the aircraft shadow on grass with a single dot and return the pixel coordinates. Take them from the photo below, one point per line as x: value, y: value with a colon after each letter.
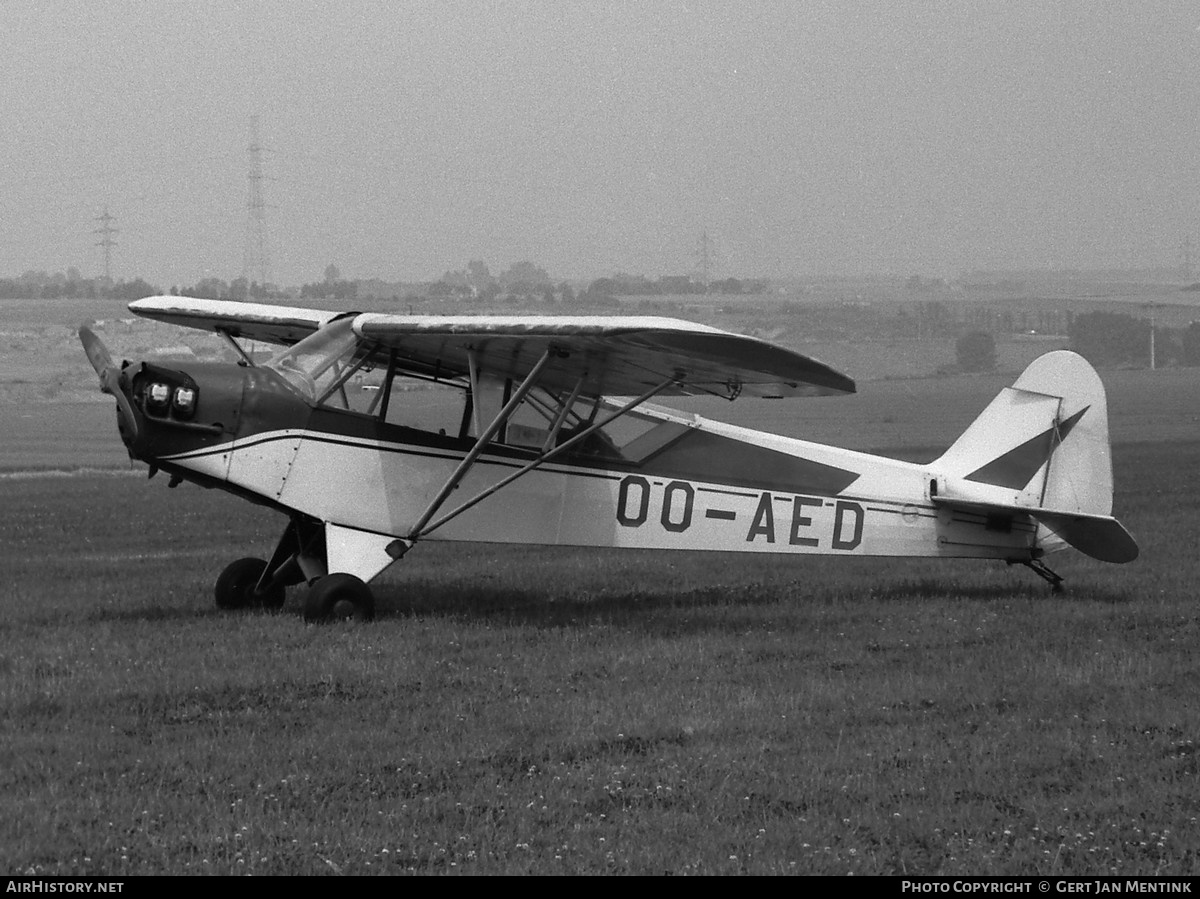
x: 551, y: 609
x: 656, y: 610
x: 931, y: 589
x: 649, y: 608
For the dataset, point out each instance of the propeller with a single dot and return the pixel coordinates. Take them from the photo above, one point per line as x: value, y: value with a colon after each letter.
x: 110, y: 379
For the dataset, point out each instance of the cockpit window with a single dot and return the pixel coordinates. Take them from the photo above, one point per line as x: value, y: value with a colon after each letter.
x: 318, y: 362
x: 335, y: 368
x: 632, y: 437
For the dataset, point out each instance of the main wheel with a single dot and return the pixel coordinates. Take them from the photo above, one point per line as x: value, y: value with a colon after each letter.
x: 235, y: 587
x: 339, y: 597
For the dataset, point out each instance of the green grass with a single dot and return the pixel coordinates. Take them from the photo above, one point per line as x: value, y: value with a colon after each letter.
x: 525, y: 710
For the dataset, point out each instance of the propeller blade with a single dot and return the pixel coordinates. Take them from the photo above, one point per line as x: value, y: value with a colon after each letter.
x: 97, y: 353
x: 127, y: 416
x: 110, y: 378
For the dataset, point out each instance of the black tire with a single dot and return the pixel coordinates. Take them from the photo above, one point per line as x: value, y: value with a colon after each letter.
x: 235, y: 587
x: 339, y: 597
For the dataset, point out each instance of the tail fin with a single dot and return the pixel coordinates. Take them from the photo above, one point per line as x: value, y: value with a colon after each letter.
x: 1041, y: 447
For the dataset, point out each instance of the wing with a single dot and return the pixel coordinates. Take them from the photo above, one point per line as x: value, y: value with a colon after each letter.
x: 613, y: 355
x: 253, y: 321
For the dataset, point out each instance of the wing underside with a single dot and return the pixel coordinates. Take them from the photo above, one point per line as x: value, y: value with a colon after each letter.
x: 590, y: 355
x: 605, y: 355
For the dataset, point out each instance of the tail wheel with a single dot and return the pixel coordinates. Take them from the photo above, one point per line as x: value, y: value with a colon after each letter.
x: 235, y: 588
x: 339, y: 597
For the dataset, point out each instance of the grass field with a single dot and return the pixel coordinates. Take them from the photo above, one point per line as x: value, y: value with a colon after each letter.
x: 524, y: 710
x: 527, y: 710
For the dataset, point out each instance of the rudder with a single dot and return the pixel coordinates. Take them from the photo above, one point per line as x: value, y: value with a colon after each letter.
x: 1042, y: 448
x: 1041, y: 443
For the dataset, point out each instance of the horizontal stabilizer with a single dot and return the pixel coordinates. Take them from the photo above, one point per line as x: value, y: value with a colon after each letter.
x: 1100, y: 536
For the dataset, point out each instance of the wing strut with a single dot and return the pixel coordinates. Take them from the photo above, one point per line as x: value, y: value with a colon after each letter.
x: 421, y: 530
x: 481, y: 443
x: 556, y: 425
x: 237, y: 347
x: 473, y: 380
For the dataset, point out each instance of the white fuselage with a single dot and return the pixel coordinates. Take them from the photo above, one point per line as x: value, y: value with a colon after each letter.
x: 384, y: 487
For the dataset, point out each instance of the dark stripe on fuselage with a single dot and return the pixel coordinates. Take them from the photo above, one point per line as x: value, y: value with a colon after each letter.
x: 716, y: 459
x: 785, y: 494
x: 695, y: 455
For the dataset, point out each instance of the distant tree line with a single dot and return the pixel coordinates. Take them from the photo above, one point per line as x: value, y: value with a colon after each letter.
x: 35, y: 285
x: 1103, y: 338
x: 71, y: 285
x: 1116, y: 338
x: 670, y: 285
x: 237, y: 289
x: 521, y: 283
x: 325, y: 290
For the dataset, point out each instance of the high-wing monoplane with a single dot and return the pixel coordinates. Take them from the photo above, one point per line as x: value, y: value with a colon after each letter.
x: 374, y: 432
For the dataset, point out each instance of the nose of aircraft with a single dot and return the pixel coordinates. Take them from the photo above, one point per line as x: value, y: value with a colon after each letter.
x: 111, y: 383
x: 164, y: 412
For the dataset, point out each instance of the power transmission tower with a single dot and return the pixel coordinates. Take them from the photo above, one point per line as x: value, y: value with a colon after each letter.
x: 1151, y: 307
x: 106, y: 232
x: 706, y: 254
x: 254, y: 257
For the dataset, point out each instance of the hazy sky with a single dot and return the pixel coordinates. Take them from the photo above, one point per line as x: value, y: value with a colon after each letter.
x: 405, y: 138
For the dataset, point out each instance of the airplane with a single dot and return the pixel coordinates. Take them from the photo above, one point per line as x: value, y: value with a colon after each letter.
x: 374, y: 432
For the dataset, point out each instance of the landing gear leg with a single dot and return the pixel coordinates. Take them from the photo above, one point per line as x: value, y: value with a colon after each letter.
x: 1042, y: 570
x: 300, y: 555
x: 253, y: 583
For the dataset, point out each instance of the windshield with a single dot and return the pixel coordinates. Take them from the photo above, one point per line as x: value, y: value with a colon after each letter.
x: 316, y: 363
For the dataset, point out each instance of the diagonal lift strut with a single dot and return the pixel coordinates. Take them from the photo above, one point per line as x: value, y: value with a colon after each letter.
x: 424, y: 526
